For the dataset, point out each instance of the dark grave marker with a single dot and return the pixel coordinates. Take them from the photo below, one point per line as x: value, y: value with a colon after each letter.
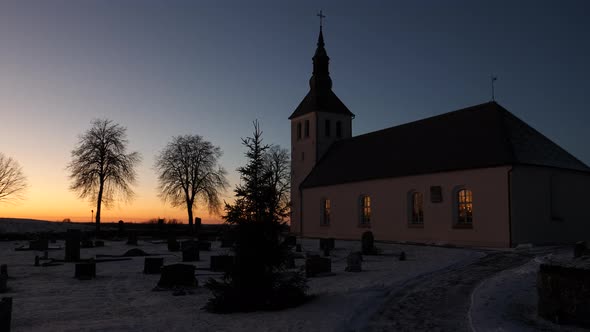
x: 3, y: 283
x: 221, y: 263
x: 5, y: 314
x: 72, y: 245
x: 368, y: 243
x: 190, y: 254
x: 227, y: 243
x: 187, y: 244
x: 132, y: 238
x: 45, y: 255
x: 315, y: 265
x: 4, y: 269
x: 153, y: 265
x: 326, y: 251
x: 581, y: 249
x: 178, y: 275
x: 290, y: 262
x: 298, y: 247
x: 354, y: 262
x: 40, y: 244
x: 328, y: 243
x: 290, y: 240
x: 99, y: 243
x: 402, y: 256
x: 86, y: 270
x: 121, y: 227
x: 204, y: 245
x: 173, y: 245
x: 37, y: 261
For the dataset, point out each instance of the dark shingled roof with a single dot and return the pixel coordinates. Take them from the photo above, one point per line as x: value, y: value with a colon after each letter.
x: 325, y: 102
x: 484, y: 135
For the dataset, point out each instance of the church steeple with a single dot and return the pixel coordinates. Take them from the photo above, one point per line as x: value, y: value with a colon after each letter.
x: 320, y: 80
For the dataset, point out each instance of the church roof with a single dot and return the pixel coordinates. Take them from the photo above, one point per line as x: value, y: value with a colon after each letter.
x: 485, y: 135
x: 327, y: 102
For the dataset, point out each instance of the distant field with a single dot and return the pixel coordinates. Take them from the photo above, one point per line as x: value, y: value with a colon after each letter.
x: 16, y: 225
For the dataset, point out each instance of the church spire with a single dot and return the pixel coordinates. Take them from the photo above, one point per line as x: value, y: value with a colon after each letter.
x: 320, y: 81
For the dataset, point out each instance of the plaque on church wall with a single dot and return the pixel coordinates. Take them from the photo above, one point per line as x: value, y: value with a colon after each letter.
x: 436, y: 194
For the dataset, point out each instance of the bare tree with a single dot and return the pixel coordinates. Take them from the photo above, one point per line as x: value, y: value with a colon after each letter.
x: 188, y: 171
x: 101, y: 169
x: 278, y: 166
x: 13, y: 182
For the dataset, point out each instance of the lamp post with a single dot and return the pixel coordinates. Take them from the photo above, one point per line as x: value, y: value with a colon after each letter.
x: 91, y: 215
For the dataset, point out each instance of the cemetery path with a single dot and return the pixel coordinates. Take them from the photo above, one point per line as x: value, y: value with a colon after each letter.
x: 441, y: 301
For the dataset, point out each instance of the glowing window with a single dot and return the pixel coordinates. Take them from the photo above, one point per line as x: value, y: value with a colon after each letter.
x: 326, y: 212
x: 417, y: 208
x: 365, y: 210
x: 464, y: 207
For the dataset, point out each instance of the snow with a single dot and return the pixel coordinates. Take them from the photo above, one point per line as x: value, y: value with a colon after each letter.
x: 507, y: 301
x: 121, y: 297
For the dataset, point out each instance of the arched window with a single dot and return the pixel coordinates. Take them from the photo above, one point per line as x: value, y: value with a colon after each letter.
x: 365, y: 206
x: 416, y: 208
x: 326, y: 212
x: 464, y: 207
x: 338, y: 129
x: 298, y: 130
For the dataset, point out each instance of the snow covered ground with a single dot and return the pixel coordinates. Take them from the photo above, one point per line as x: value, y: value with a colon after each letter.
x: 121, y: 297
x: 508, y: 301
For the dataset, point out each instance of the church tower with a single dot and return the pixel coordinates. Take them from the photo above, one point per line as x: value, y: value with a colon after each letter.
x: 319, y: 120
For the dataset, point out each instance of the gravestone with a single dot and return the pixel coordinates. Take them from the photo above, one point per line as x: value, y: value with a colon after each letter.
x: 153, y: 265
x: 178, y: 275
x: 354, y: 262
x: 368, y: 243
x: 190, y: 254
x: 132, y: 238
x: 72, y: 245
x: 99, y: 243
x: 402, y: 256
x: 5, y: 314
x: 581, y: 249
x: 3, y: 283
x: 121, y: 228
x: 173, y: 245
x: 86, y: 270
x: 328, y: 243
x: 198, y: 223
x: 227, y: 243
x: 37, y: 261
x: 315, y: 265
x: 222, y: 263
x: 187, y: 244
x: 290, y: 240
x: 45, y: 255
x: 290, y: 262
x: 326, y: 251
x: 298, y: 247
x: 40, y: 244
x: 204, y: 245
x: 4, y: 269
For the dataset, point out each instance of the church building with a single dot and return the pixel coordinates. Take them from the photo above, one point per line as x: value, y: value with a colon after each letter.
x: 477, y: 176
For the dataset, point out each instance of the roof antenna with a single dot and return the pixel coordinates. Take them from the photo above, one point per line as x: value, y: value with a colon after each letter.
x: 493, y: 79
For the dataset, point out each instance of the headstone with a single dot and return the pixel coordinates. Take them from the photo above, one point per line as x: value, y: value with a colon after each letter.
x: 4, y: 269
x: 173, y: 245
x: 298, y: 247
x: 354, y: 262
x: 204, y: 245
x: 368, y: 243
x: 99, y: 243
x: 153, y: 265
x: 326, y: 251
x: 187, y: 244
x: 46, y: 255
x: 315, y: 265
x: 290, y: 240
x: 581, y: 249
x: 135, y: 252
x: 132, y: 238
x: 190, y: 254
x: 86, y: 244
x: 5, y: 314
x: 328, y: 243
x: 3, y: 283
x: 290, y: 262
x: 197, y: 223
x: 222, y: 263
x: 40, y: 244
x: 72, y: 245
x: 121, y: 227
x: 86, y: 270
x: 178, y: 275
x: 402, y: 256
x: 227, y: 243
x: 37, y: 261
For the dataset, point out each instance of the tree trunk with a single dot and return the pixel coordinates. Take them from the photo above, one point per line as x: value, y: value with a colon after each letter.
x: 98, y: 205
x: 189, y: 207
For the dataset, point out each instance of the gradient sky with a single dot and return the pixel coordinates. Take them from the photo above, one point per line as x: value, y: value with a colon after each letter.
x: 164, y: 68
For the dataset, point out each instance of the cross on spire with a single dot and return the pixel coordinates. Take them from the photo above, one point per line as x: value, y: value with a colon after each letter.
x: 321, y: 16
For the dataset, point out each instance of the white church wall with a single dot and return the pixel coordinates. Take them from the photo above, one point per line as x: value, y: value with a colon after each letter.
x: 390, y: 213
